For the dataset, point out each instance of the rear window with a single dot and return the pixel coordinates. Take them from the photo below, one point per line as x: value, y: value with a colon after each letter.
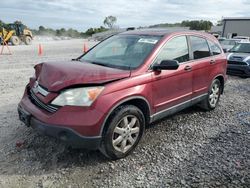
x: 215, y: 49
x: 199, y: 47
x: 229, y: 42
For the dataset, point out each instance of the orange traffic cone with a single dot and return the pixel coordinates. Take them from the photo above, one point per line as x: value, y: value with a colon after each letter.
x: 40, y: 50
x: 85, y: 48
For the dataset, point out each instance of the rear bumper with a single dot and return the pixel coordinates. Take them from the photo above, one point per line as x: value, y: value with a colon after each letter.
x: 238, y: 70
x: 67, y: 135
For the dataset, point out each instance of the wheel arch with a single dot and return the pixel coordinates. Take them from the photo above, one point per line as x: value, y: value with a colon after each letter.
x: 138, y: 101
x: 222, y: 81
x: 28, y: 35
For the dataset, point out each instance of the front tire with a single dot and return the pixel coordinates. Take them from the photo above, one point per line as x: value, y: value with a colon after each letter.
x: 15, y: 41
x: 212, y: 99
x: 124, y: 130
x: 27, y: 40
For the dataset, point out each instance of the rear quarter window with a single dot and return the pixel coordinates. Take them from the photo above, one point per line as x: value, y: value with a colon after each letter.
x: 215, y: 49
x: 199, y: 47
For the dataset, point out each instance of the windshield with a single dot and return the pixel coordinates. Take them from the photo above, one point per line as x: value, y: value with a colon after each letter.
x: 229, y: 42
x: 241, y: 48
x: 122, y: 51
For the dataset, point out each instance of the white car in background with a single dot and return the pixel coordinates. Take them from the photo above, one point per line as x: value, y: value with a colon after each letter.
x: 242, y: 38
x: 228, y: 44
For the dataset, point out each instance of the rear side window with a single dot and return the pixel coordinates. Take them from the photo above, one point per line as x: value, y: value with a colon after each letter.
x: 215, y: 49
x: 199, y: 47
x: 174, y: 49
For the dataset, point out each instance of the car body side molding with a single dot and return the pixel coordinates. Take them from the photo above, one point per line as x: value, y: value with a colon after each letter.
x: 177, y: 108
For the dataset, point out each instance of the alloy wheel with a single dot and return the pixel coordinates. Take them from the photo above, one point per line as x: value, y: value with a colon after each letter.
x: 126, y: 133
x: 214, y: 94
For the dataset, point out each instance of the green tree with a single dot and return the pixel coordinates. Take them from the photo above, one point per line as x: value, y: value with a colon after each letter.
x: 110, y: 21
x: 41, y: 29
x: 2, y: 24
x: 197, y: 24
x: 219, y: 23
x: 90, y: 32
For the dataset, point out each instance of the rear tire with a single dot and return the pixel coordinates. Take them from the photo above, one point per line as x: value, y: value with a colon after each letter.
x: 27, y: 40
x: 124, y: 130
x: 212, y: 99
x: 15, y: 41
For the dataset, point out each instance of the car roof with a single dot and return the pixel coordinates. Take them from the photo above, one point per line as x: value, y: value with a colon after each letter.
x: 163, y: 32
x: 246, y: 37
x: 244, y: 42
x: 233, y: 39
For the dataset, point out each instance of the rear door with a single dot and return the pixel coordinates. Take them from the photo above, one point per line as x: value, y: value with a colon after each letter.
x: 202, y: 65
x: 172, y: 87
x: 219, y: 66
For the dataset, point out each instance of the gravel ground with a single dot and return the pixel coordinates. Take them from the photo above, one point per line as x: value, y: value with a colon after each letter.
x: 190, y: 149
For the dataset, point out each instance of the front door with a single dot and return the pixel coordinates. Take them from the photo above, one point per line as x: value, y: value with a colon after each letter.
x: 173, y: 87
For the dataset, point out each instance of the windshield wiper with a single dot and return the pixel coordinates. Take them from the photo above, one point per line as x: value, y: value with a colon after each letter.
x: 75, y: 59
x: 101, y: 64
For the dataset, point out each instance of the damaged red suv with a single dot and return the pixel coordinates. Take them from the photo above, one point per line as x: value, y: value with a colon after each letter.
x: 105, y: 98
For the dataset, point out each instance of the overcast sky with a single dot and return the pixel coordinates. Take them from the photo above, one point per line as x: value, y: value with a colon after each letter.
x: 83, y: 14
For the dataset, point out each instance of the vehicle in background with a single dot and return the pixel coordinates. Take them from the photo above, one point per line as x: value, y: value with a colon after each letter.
x: 16, y: 33
x: 228, y: 44
x: 105, y: 98
x: 242, y: 38
x: 221, y: 39
x: 239, y: 60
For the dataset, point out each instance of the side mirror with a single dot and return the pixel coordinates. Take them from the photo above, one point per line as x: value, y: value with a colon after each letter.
x: 166, y: 65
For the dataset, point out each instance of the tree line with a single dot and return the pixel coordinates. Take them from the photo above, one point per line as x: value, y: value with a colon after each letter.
x: 109, y: 22
x: 193, y: 25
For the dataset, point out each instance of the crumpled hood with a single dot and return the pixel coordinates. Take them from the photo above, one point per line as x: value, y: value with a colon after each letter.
x: 238, y: 56
x: 57, y: 75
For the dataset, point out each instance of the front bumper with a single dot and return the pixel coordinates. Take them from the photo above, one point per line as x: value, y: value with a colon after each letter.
x: 85, y: 121
x: 238, y: 70
x: 67, y: 135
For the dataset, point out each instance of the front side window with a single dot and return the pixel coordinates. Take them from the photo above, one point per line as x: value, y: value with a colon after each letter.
x: 199, y: 47
x: 215, y: 49
x: 174, y: 49
x: 122, y: 51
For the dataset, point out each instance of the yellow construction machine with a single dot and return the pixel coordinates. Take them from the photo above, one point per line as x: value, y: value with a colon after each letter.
x: 15, y: 34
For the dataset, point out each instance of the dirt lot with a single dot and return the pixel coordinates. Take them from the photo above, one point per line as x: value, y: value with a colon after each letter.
x: 190, y: 149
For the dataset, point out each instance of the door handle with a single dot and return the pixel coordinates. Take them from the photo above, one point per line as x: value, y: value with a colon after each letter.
x: 188, y: 68
x: 212, y: 61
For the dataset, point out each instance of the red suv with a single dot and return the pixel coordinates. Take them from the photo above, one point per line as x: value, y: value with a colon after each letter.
x: 105, y: 98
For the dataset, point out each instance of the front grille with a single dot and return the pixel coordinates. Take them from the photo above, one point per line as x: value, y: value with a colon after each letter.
x: 36, y: 101
x: 235, y: 71
x: 237, y: 63
x: 237, y: 58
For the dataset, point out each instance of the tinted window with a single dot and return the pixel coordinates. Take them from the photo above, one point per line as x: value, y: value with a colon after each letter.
x: 199, y: 47
x: 229, y: 42
x: 215, y: 49
x: 175, y: 49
